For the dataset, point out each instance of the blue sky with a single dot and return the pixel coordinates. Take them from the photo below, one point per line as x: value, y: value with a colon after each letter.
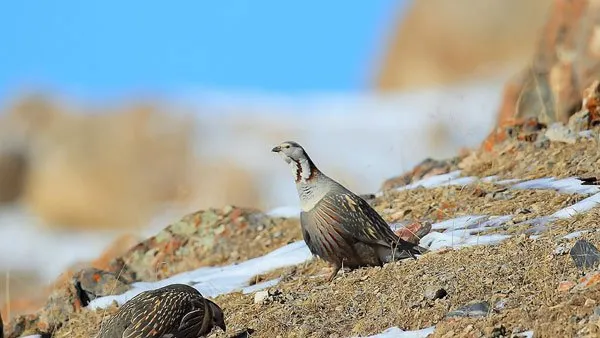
x: 98, y: 48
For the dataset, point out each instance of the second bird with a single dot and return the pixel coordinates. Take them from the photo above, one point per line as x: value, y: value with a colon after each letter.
x: 337, y: 225
x: 173, y: 311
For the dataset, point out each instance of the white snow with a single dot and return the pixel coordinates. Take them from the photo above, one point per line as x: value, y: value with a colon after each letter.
x: 526, y: 334
x: 214, y: 281
x: 575, y: 234
x: 569, y: 185
x: 457, y: 223
x: 432, y: 181
x: 439, y: 240
x: 579, y: 207
x: 395, y: 332
x: 285, y: 211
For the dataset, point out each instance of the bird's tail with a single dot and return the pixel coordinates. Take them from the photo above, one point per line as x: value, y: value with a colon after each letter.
x: 589, y: 180
x: 406, y: 250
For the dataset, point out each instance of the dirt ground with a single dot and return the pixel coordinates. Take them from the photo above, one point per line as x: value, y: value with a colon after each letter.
x: 521, y: 278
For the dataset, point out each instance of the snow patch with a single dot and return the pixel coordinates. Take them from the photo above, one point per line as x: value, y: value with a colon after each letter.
x: 395, y: 332
x: 214, y: 281
x: 575, y: 234
x: 432, y: 181
x: 579, y: 207
x: 285, y: 211
x: 569, y: 185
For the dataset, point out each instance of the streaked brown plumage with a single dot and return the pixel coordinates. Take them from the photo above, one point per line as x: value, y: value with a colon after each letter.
x: 337, y: 225
x: 173, y: 311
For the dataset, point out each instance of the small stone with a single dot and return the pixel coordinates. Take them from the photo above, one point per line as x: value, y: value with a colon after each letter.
x: 565, y: 286
x: 261, y: 296
x: 475, y: 309
x: 434, y: 293
x: 585, y: 254
x: 227, y: 209
x: 500, y: 305
x: 557, y: 132
x: 495, y: 331
x: 589, y: 302
x: 560, y: 250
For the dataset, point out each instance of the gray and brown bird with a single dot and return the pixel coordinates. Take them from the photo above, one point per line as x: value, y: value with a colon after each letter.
x: 173, y: 311
x: 337, y: 225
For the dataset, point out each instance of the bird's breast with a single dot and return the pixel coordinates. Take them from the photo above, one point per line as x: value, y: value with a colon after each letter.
x: 310, y: 195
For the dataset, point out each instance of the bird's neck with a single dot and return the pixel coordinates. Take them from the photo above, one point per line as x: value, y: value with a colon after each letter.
x: 304, y: 170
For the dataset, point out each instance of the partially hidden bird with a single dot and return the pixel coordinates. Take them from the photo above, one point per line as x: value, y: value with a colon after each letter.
x: 173, y: 311
x: 337, y: 225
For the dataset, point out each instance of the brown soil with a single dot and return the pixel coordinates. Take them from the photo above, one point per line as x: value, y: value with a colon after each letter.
x: 477, y: 199
x: 519, y: 277
x: 526, y: 160
x: 521, y: 272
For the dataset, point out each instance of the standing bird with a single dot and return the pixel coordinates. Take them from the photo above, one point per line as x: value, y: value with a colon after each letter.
x: 337, y: 225
x: 173, y: 311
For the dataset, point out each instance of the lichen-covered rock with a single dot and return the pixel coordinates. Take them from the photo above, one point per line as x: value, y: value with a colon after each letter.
x: 203, y: 238
x: 62, y: 302
x: 91, y: 283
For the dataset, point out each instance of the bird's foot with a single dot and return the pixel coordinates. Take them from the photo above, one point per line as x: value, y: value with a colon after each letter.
x: 334, y: 272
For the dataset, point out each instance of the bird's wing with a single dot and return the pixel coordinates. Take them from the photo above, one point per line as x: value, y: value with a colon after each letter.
x: 152, y: 317
x: 355, y: 217
x: 192, y: 322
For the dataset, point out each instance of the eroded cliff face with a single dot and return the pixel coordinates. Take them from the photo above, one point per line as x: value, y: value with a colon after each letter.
x: 440, y: 42
x: 566, y: 61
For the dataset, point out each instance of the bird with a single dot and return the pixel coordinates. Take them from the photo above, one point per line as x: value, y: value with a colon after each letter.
x: 337, y: 225
x: 173, y: 311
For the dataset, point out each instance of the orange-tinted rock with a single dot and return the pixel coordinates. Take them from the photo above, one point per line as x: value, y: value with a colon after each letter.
x: 565, y: 64
x: 207, y: 237
x: 587, y: 281
x: 565, y: 286
x: 472, y: 39
x: 414, y: 232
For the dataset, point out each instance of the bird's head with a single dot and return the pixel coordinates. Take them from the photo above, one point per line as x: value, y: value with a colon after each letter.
x: 217, y: 316
x: 290, y: 151
x: 293, y: 154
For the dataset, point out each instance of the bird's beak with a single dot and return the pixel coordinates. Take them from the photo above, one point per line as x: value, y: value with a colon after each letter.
x: 222, y: 326
x: 276, y: 149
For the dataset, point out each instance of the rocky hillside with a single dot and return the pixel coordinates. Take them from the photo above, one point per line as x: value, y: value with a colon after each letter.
x: 511, y: 232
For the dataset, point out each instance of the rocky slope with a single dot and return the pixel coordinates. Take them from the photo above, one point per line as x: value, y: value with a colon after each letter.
x: 514, y: 262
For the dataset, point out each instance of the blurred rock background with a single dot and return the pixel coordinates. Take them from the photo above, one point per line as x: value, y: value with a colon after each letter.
x: 81, y: 173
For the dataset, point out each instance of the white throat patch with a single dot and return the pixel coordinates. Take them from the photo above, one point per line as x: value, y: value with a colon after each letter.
x: 301, y: 169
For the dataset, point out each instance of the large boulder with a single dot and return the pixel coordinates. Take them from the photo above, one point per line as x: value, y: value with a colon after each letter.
x: 437, y: 42
x: 565, y: 63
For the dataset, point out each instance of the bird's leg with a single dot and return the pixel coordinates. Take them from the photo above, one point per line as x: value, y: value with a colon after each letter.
x: 334, y: 271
